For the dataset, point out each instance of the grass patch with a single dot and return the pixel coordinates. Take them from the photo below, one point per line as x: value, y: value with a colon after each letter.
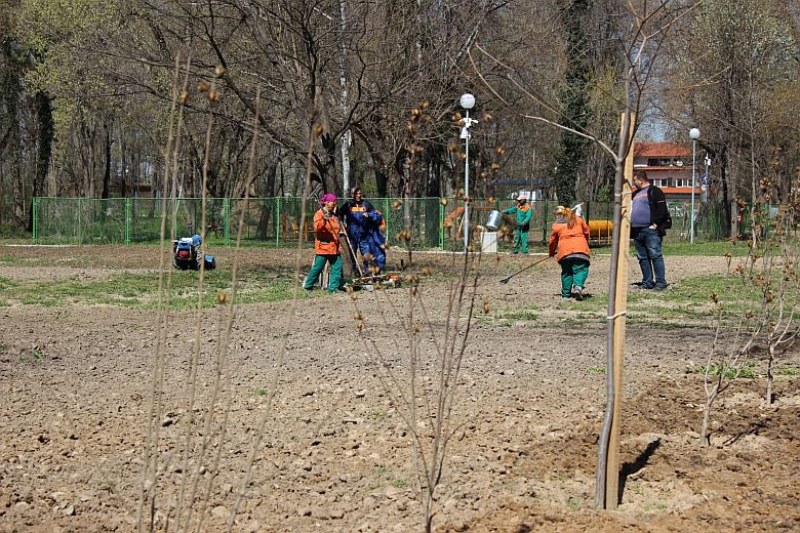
x: 690, y: 302
x: 506, y: 318
x: 6, y: 284
x: 141, y: 290
x: 711, y: 248
x: 528, y: 315
x: 789, y: 371
x: 596, y: 370
x: 10, y: 260
x: 746, y: 371
x: 386, y: 473
x: 577, y: 321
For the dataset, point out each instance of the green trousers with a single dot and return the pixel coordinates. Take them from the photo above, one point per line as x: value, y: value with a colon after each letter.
x: 335, y: 278
x: 573, y: 274
x: 520, y: 241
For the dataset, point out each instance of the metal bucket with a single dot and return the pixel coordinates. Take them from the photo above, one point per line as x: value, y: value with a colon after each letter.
x: 495, y: 219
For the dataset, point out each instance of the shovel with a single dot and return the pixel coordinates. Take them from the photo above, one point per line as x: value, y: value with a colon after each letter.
x: 507, y: 278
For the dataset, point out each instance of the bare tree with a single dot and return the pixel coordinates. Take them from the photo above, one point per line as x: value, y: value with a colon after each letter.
x: 731, y: 63
x: 646, y: 29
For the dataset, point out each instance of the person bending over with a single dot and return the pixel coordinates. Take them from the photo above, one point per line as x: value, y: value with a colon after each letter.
x: 569, y: 239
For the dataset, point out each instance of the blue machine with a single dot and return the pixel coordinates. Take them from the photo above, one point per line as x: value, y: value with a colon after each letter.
x: 185, y: 254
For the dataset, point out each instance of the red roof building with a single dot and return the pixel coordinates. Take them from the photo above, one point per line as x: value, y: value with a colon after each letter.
x: 668, y: 166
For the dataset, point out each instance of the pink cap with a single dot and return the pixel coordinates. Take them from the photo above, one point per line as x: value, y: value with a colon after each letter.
x: 327, y: 197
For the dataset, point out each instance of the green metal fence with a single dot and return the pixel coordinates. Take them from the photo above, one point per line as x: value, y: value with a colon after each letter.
x: 434, y: 223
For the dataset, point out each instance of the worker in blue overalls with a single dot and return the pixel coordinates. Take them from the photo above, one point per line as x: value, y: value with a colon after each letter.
x: 355, y: 213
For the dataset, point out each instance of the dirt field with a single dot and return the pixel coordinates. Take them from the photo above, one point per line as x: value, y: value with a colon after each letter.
x: 331, y: 450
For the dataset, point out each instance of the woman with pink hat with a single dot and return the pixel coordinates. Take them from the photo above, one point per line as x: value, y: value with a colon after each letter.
x: 326, y: 245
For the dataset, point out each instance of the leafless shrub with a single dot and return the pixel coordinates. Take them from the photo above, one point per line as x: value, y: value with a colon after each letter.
x: 767, y: 317
x: 723, y: 362
x: 425, y: 390
x: 199, y: 458
x: 777, y: 280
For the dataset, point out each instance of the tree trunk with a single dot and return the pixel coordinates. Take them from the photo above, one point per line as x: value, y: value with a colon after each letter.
x: 124, y: 158
x: 267, y: 207
x: 105, y: 195
x: 705, y: 432
x: 326, y: 167
x: 12, y: 91
x: 770, y: 377
x: 381, y: 183
x: 726, y: 199
x: 44, y: 115
x: 574, y: 148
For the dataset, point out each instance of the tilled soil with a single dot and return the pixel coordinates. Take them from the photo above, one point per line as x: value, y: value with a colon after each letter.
x: 301, y: 416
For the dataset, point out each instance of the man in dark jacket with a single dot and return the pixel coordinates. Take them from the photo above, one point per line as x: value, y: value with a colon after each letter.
x: 649, y: 219
x: 356, y: 213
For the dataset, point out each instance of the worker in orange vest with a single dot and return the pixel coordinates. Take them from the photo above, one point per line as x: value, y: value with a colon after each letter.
x: 327, y: 248
x: 569, y: 242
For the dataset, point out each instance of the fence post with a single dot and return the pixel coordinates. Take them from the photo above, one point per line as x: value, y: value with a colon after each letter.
x: 277, y: 211
x: 35, y: 220
x: 545, y: 236
x: 128, y: 222
x: 80, y: 216
x: 386, y: 217
x: 226, y: 220
x: 441, y: 224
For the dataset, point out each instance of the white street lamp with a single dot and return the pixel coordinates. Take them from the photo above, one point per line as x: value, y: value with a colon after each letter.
x: 694, y: 134
x: 467, y: 101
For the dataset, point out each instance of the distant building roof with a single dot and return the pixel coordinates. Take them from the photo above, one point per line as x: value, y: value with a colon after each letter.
x: 660, y: 149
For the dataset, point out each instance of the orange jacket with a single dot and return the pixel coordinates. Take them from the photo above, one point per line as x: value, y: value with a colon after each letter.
x: 569, y: 241
x: 326, y: 234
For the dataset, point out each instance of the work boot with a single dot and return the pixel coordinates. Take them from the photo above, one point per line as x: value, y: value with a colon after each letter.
x: 577, y: 292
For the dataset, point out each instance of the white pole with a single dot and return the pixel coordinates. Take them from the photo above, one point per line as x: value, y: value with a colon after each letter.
x: 466, y: 187
x: 694, y: 134
x: 691, y: 218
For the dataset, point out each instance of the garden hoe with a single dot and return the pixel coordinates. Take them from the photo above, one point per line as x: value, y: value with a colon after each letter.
x: 353, y: 253
x: 507, y: 278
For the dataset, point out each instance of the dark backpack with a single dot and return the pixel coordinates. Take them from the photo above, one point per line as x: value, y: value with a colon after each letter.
x: 667, y: 223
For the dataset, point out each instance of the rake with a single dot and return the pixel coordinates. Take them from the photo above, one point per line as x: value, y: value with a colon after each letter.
x: 507, y: 278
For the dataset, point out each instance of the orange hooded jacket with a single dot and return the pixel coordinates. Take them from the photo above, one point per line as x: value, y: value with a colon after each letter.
x: 326, y: 234
x: 568, y: 241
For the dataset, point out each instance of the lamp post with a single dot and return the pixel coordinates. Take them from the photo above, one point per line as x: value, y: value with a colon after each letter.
x: 694, y: 134
x: 467, y: 101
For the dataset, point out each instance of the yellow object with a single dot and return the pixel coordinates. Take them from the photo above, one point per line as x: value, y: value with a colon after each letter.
x: 601, y: 229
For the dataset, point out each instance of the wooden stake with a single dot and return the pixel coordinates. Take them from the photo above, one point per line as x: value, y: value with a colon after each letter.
x: 608, y: 457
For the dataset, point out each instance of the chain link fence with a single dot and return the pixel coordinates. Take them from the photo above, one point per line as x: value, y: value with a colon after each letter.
x: 432, y: 223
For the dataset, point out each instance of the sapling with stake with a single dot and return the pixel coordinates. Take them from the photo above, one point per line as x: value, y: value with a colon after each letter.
x: 777, y: 280
x: 723, y: 363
